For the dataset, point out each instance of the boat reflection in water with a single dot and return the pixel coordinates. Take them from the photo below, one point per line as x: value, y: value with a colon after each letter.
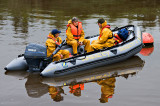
x: 103, y: 76
x: 147, y: 50
x: 36, y: 86
x: 55, y: 93
x: 107, y: 88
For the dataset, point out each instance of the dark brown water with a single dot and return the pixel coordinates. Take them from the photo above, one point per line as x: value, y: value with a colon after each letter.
x: 134, y: 82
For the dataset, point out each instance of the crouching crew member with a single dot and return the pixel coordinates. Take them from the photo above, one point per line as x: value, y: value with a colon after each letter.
x: 107, y: 89
x: 105, y: 38
x: 75, y: 35
x: 52, y: 42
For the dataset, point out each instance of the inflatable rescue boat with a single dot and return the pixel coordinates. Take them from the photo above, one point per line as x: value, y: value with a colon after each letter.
x: 35, y: 56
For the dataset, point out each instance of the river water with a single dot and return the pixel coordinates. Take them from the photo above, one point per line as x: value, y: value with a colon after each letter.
x: 134, y: 82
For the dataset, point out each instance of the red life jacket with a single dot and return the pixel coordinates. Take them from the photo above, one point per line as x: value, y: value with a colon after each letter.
x: 57, y: 43
x: 117, y: 39
x: 73, y: 88
x: 107, y: 26
x: 76, y: 31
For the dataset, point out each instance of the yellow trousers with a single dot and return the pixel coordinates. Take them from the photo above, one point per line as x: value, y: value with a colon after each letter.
x: 74, y: 45
x: 57, y: 56
x: 97, y: 46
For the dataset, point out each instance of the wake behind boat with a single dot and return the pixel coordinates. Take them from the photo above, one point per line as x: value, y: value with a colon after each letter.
x: 36, y: 60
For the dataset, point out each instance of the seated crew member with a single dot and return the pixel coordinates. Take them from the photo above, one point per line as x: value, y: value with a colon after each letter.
x: 105, y: 38
x: 75, y: 35
x: 51, y: 44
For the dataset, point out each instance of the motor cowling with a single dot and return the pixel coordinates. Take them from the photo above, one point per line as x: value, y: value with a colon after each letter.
x: 35, y: 55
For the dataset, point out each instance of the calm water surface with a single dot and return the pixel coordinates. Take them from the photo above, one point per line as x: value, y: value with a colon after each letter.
x: 134, y: 82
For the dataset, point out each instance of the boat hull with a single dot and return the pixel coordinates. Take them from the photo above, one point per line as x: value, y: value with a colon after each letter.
x: 17, y: 64
x: 96, y: 59
x: 125, y: 68
x: 106, y: 56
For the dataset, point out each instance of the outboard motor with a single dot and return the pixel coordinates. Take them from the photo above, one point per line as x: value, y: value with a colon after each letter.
x: 35, y: 54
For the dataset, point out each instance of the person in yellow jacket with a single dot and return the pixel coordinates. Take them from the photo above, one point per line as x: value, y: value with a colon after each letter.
x: 107, y: 88
x: 51, y: 44
x: 55, y: 93
x: 76, y: 89
x: 75, y: 35
x: 105, y: 38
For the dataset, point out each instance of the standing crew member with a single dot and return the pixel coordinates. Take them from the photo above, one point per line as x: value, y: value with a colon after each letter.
x: 75, y: 35
x: 105, y: 38
x: 52, y: 42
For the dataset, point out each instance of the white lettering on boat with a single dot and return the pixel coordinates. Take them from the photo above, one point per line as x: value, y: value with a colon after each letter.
x: 51, y: 69
x: 128, y: 46
x: 97, y: 55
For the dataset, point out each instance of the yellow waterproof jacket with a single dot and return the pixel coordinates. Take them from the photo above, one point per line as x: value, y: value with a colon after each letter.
x: 107, y: 86
x: 70, y: 35
x: 51, y: 44
x: 106, y: 33
x: 52, y: 91
x: 106, y: 39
